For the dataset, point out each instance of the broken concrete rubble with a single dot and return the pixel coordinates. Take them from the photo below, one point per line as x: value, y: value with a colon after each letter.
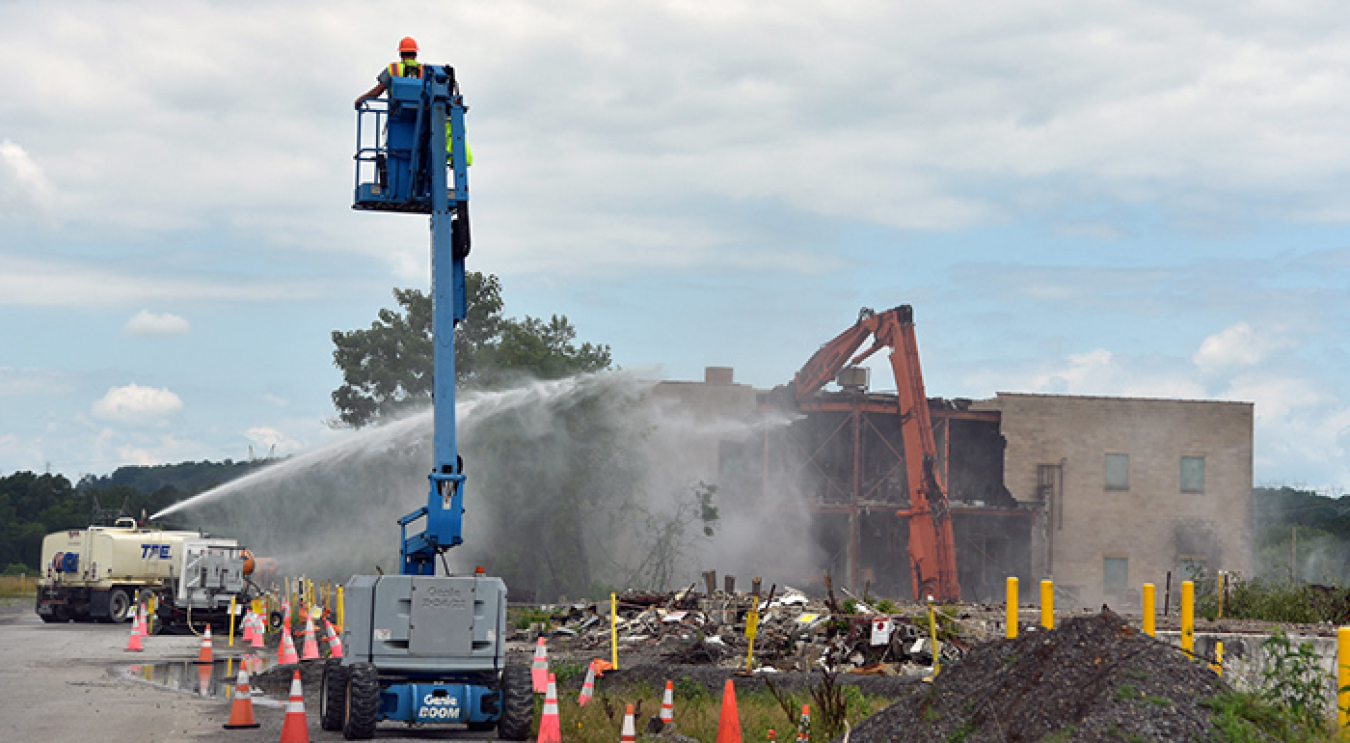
x: 794, y: 632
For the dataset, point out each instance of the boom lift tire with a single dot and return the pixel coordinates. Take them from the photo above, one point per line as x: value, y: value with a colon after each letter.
x: 517, y: 704
x: 363, y: 702
x: 333, y: 695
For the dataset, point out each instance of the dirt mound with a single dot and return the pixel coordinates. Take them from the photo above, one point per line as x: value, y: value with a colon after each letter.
x: 1093, y: 678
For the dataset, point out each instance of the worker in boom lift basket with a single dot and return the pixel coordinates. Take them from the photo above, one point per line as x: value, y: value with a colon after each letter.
x: 406, y: 66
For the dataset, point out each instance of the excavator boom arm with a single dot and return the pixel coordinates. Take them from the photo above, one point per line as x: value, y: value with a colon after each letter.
x: 931, y: 541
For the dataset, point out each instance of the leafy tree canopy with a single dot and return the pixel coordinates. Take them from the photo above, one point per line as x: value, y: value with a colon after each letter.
x: 388, y: 367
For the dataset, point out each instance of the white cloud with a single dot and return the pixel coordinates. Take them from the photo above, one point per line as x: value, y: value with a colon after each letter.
x: 136, y: 404
x: 147, y: 323
x: 23, y: 185
x: 1236, y: 346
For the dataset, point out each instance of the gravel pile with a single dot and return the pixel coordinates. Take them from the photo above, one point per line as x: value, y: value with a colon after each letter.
x: 1093, y: 678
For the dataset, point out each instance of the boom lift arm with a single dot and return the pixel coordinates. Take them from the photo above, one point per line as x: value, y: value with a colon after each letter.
x: 932, y: 552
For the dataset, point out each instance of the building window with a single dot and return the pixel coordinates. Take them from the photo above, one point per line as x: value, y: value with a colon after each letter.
x: 1192, y: 474
x: 1117, y: 471
x: 1115, y: 576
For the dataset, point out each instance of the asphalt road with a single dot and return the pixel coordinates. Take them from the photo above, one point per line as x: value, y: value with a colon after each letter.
x: 68, y: 683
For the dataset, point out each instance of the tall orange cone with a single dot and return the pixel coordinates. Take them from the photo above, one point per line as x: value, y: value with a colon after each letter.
x: 134, y: 642
x: 804, y: 727
x: 207, y: 655
x: 241, y: 711
x: 286, y: 653
x: 629, y: 728
x: 259, y: 631
x: 247, y: 625
x: 295, y: 729
x: 550, y: 727
x: 333, y: 639
x: 311, y: 647
x: 587, y: 688
x: 729, y: 724
x: 539, y: 668
x: 668, y: 705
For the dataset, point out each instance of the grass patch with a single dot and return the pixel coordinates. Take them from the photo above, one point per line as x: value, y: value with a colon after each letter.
x: 14, y: 587
x: 697, y: 715
x: 1241, y: 717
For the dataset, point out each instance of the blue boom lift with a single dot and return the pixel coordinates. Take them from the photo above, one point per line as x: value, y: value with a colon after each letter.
x: 420, y: 647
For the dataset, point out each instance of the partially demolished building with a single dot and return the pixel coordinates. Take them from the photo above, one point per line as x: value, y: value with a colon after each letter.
x: 1101, y: 494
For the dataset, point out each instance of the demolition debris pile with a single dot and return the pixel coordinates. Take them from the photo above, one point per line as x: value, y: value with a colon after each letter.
x: 1093, y: 678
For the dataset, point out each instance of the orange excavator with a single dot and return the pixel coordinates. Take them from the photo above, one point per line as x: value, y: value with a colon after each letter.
x: 932, y: 553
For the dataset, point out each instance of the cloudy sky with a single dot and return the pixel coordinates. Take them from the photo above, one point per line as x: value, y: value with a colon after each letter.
x: 1107, y: 198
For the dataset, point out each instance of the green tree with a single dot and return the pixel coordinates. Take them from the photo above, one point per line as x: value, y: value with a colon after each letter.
x: 387, y: 368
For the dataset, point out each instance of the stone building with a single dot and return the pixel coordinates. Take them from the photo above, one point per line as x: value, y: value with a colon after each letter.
x: 1101, y: 494
x: 1127, y: 489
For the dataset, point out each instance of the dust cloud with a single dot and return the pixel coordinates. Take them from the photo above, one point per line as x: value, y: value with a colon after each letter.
x: 574, y: 487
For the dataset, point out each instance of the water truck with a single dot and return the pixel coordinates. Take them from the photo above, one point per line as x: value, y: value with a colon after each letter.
x: 95, y: 574
x: 420, y: 647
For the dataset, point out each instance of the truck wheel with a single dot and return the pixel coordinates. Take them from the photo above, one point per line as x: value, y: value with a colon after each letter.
x: 333, y: 695
x: 517, y: 704
x: 363, y: 702
x: 119, y: 605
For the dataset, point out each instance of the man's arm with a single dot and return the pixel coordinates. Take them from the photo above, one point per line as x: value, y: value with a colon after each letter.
x: 374, y: 92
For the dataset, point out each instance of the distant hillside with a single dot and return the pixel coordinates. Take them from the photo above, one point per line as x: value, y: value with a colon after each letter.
x: 186, y: 478
x: 1300, y: 534
x: 32, y: 505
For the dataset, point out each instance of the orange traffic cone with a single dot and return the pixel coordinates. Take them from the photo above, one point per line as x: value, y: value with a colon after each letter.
x: 286, y: 653
x: 311, y: 646
x: 587, y: 688
x: 295, y: 729
x: 142, y: 624
x: 134, y: 642
x: 729, y: 724
x: 550, y: 728
x: 334, y: 641
x: 259, y: 631
x: 241, y: 711
x: 804, y: 727
x: 207, y: 655
x: 247, y: 626
x: 668, y: 705
x: 539, y: 668
x: 629, y: 729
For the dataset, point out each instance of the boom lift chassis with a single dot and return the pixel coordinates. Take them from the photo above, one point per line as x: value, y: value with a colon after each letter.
x: 420, y: 647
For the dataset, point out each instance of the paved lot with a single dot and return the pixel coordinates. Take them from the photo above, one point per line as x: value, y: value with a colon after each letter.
x: 62, y: 683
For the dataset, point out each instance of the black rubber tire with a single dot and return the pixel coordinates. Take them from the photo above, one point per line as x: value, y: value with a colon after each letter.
x: 119, y: 606
x: 60, y: 614
x: 333, y: 695
x: 363, y: 702
x: 517, y: 704
x: 274, y: 621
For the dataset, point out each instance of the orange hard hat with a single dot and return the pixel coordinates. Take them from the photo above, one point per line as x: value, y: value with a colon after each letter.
x: 409, y: 44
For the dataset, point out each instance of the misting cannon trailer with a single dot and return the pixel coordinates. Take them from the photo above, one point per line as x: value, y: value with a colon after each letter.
x: 421, y: 647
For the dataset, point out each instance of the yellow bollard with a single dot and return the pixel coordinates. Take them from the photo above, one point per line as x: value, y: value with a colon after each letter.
x: 1149, y: 610
x: 751, y: 631
x: 341, y: 613
x: 614, y: 630
x: 1048, y: 604
x: 932, y: 630
x: 1012, y: 608
x: 1223, y: 582
x: 150, y: 615
x: 1343, y: 675
x: 1188, y: 618
x: 1217, y: 665
x: 232, y: 610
